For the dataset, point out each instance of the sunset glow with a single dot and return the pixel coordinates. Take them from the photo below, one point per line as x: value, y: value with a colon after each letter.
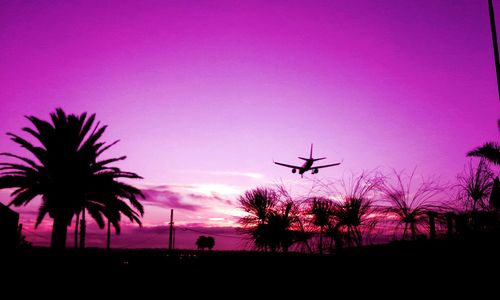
x: 204, y: 95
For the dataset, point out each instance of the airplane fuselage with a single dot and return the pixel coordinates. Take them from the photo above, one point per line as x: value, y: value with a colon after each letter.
x: 306, y: 166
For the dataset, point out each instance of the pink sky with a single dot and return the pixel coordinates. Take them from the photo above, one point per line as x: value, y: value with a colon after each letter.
x: 205, y: 94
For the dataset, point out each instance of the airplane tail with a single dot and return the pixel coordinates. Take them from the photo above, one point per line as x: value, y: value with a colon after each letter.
x: 311, y: 155
x: 303, y: 158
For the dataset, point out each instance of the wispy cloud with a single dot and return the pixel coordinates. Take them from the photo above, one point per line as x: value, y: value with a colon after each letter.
x: 209, y: 189
x: 251, y: 175
x: 163, y: 197
x: 213, y: 196
x: 187, y: 196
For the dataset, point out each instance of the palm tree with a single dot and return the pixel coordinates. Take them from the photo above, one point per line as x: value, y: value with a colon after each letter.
x: 296, y: 214
x: 280, y: 226
x: 322, y: 210
x: 67, y: 175
x: 105, y: 199
x: 258, y: 203
x: 495, y: 194
x: 476, y: 183
x: 355, y: 214
x: 489, y: 151
x: 411, y: 206
x: 335, y: 234
x: 271, y: 220
x: 355, y: 211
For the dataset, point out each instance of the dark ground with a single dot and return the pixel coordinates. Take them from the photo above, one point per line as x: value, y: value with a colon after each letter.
x: 415, y: 266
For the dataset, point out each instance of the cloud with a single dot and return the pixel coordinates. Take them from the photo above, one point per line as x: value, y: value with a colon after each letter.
x: 208, y: 189
x: 206, y: 192
x: 163, y: 197
x: 212, y: 197
x: 188, y: 196
x: 252, y: 175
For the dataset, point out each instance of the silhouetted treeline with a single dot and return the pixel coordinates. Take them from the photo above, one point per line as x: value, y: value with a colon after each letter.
x: 358, y: 209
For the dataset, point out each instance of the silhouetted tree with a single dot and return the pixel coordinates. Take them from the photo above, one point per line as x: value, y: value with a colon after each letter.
x: 68, y: 175
x: 205, y: 242
x: 280, y: 223
x: 201, y: 242
x: 335, y: 234
x: 210, y: 242
x: 489, y: 151
x: 258, y: 203
x: 355, y: 211
x: 271, y: 220
x: 495, y: 194
x: 409, y: 203
x: 105, y: 198
x: 355, y: 215
x: 276, y: 232
x: 297, y: 216
x: 475, y: 184
x: 322, y: 210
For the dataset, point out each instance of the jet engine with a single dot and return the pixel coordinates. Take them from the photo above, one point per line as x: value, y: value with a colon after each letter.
x: 315, y: 171
x: 294, y: 171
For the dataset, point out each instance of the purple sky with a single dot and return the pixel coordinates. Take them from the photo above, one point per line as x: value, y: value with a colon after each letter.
x: 205, y: 94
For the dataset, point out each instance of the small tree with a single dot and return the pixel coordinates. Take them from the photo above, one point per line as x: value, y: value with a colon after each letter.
x: 205, y: 242
x: 410, y: 203
x: 210, y: 242
x: 270, y: 220
x: 354, y: 209
x: 475, y: 185
x: 322, y: 210
x: 258, y: 203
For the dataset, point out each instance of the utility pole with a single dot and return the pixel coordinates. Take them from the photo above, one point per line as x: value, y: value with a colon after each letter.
x: 171, y: 236
x: 173, y: 240
x: 19, y: 234
x: 108, y: 241
x: 495, y: 44
x: 83, y: 229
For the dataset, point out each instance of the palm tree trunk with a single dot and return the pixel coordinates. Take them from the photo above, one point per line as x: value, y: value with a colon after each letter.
x: 76, y: 229
x: 321, y: 240
x: 404, y: 232
x: 349, y: 236
x: 59, y: 232
x: 83, y: 229
x: 306, y: 240
x: 108, y: 241
x: 337, y: 238
x: 330, y: 248
x: 413, y: 231
x: 359, y: 239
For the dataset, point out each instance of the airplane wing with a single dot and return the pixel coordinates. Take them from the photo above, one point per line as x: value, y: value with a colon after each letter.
x: 289, y: 166
x: 324, y: 166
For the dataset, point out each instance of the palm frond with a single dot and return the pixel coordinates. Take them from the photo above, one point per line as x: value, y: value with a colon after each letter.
x: 489, y: 151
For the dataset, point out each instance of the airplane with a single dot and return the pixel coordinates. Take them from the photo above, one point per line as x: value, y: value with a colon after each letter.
x: 308, y: 165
